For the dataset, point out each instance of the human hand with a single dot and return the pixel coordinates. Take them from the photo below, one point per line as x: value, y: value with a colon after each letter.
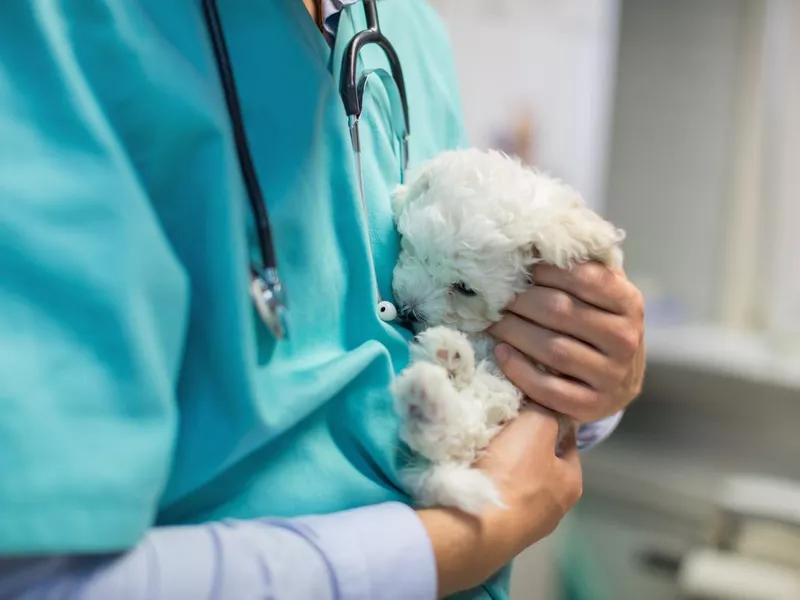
x: 586, y: 325
x: 537, y: 487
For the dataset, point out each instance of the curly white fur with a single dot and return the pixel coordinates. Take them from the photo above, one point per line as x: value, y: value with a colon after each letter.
x: 472, y: 225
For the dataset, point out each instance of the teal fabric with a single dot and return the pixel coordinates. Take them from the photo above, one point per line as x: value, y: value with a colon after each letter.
x: 580, y: 577
x: 138, y: 386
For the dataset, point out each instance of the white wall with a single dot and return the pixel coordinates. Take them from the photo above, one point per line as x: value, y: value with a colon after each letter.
x: 780, y: 244
x: 678, y: 71
x: 704, y: 157
x: 554, y: 57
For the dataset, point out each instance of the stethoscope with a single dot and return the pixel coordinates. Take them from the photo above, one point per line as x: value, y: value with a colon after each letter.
x: 266, y: 288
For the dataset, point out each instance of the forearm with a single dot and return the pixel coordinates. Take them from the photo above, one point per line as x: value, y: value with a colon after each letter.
x: 356, y: 555
x: 454, y: 537
x: 469, y: 550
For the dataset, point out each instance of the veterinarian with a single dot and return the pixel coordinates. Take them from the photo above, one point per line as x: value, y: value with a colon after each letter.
x: 156, y: 440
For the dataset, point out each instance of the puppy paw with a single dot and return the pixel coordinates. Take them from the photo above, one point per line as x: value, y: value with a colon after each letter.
x: 501, y: 399
x: 420, y: 393
x: 451, y: 350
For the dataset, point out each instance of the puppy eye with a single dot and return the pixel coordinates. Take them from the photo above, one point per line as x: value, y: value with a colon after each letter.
x: 462, y: 289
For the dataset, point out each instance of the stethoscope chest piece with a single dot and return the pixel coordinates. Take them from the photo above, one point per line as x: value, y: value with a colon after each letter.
x: 387, y: 311
x: 266, y: 291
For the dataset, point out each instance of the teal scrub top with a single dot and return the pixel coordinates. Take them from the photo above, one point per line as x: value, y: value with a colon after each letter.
x: 138, y: 385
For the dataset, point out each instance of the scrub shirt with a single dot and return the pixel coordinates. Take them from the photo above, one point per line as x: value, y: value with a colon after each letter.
x: 139, y: 387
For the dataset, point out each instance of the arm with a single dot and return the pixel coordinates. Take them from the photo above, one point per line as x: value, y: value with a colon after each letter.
x: 381, y: 551
x: 537, y: 487
x: 355, y: 555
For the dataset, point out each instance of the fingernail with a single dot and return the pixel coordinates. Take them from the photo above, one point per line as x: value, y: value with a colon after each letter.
x: 502, y: 352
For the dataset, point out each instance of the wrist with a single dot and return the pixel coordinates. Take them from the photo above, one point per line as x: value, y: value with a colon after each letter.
x: 469, y: 550
x: 457, y: 541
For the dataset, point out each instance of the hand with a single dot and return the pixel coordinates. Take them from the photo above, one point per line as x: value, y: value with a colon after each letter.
x: 537, y: 485
x: 538, y: 488
x: 586, y: 326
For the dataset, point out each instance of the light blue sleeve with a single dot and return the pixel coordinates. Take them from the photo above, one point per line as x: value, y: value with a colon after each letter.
x: 93, y: 310
x: 592, y: 434
x: 363, y: 554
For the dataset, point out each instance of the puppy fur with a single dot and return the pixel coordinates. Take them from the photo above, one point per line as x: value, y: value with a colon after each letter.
x: 472, y: 225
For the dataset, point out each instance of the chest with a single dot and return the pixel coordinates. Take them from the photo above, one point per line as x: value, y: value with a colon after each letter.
x: 238, y: 389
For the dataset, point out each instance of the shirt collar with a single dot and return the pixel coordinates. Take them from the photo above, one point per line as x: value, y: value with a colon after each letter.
x: 330, y: 14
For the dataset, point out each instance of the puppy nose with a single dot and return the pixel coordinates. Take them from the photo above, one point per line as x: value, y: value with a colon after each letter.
x: 409, y: 314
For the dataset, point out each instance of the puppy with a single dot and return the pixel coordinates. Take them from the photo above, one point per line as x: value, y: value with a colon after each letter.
x: 472, y: 225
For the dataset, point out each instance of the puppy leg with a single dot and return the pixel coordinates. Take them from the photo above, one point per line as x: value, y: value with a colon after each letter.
x: 417, y: 392
x: 448, y: 430
x: 500, y: 398
x: 453, y: 485
x: 436, y: 422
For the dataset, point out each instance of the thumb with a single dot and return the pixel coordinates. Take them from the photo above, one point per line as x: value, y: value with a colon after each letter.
x: 543, y: 423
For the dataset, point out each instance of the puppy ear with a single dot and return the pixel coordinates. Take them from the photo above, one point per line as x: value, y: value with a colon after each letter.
x: 564, y: 230
x: 575, y: 234
x: 399, y: 199
x: 404, y: 194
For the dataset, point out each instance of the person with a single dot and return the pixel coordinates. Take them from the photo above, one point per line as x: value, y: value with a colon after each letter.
x: 156, y: 440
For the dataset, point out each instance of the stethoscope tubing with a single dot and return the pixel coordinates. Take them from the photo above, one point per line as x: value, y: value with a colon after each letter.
x: 266, y: 287
x: 351, y: 95
x: 245, y: 156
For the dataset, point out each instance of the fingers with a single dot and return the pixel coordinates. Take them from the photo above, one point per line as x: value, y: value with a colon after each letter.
x: 536, y: 412
x: 570, y: 461
x: 557, y: 310
x: 561, y: 395
x: 595, y: 284
x: 560, y: 353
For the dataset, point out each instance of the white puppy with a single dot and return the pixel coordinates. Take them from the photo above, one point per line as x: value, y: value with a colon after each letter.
x: 473, y: 224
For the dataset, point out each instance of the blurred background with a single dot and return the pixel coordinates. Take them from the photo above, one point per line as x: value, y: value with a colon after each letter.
x: 680, y: 121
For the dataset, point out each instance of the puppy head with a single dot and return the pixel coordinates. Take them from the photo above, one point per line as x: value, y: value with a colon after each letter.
x: 472, y: 225
x: 462, y: 259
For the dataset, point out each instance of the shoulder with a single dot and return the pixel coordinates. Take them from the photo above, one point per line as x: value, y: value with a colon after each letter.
x: 426, y: 35
x: 429, y: 66
x: 426, y: 18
